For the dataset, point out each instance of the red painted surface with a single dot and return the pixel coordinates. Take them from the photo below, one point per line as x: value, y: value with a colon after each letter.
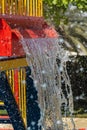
x: 16, y: 87
x: 13, y: 28
x: 16, y: 21
x: 17, y: 48
x: 5, y: 39
x: 82, y: 129
x: 4, y: 117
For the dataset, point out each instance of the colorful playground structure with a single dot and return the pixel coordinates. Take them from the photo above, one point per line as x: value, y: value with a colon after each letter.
x: 19, y: 18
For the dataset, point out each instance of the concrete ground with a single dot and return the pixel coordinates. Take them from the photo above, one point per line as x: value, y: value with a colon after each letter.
x: 6, y: 127
x: 79, y: 123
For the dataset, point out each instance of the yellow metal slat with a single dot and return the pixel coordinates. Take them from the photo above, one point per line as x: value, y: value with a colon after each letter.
x: 1, y: 103
x: 8, y: 6
x: 7, y: 73
x: 30, y: 7
x: 0, y: 7
x: 11, y: 7
x: 25, y: 7
x: 12, y: 80
x: 36, y: 7
x: 16, y: 6
x: 21, y: 94
x: 24, y: 97
x: 19, y: 80
x: 41, y: 8
x: 3, y: 6
x: 10, y: 76
x: 20, y: 97
x: 34, y: 3
x: 19, y: 7
x: 22, y: 7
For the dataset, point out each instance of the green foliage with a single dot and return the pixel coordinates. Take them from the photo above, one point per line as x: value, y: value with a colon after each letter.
x: 81, y: 4
x: 54, y: 9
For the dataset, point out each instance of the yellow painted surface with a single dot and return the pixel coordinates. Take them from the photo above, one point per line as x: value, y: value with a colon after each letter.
x: 22, y: 7
x: 1, y: 103
x: 2, y: 6
x: 23, y: 94
x: 12, y: 63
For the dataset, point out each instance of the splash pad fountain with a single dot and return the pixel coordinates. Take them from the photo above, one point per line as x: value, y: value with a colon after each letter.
x: 46, y: 58
x: 49, y: 73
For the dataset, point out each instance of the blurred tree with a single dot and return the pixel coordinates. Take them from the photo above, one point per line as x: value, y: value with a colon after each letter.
x: 54, y: 9
x: 77, y: 70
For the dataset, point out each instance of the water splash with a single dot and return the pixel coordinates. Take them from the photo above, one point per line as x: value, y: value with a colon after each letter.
x: 47, y: 60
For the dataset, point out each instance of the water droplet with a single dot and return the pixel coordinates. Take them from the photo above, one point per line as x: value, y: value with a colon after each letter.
x: 43, y: 72
x: 44, y: 85
x: 61, y: 68
x: 32, y: 123
x: 59, y: 122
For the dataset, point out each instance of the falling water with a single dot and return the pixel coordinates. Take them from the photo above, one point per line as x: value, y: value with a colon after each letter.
x: 47, y: 59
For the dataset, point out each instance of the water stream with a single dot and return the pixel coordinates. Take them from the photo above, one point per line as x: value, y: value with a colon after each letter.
x: 47, y: 59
